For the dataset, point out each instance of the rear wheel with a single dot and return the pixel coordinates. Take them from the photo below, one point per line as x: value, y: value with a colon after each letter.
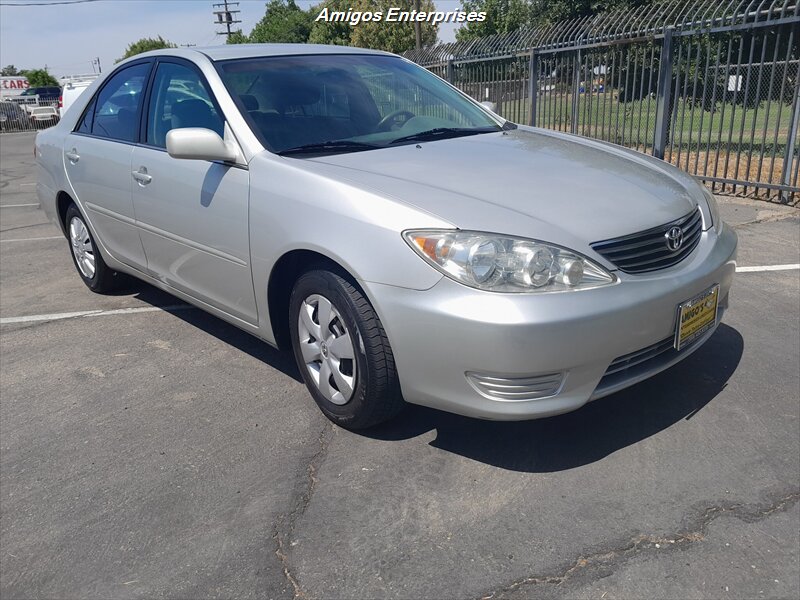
x: 342, y: 351
x: 93, y: 270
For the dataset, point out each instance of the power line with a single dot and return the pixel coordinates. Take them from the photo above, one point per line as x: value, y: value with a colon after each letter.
x: 50, y: 3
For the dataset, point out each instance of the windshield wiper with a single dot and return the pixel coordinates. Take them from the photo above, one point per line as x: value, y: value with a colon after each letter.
x: 441, y: 133
x: 329, y: 147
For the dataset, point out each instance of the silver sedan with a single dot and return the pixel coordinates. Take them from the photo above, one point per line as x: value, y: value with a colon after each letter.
x: 408, y: 244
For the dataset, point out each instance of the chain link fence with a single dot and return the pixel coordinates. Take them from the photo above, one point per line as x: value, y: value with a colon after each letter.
x: 709, y: 86
x: 28, y: 113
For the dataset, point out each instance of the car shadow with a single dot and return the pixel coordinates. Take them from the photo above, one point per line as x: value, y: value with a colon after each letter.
x: 223, y: 331
x: 541, y: 446
x: 589, y: 434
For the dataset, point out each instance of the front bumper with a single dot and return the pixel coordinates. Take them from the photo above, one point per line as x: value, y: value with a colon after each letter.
x: 441, y: 334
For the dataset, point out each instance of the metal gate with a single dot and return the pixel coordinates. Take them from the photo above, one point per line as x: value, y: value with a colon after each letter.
x: 709, y: 86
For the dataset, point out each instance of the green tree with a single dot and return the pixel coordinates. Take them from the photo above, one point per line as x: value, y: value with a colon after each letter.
x: 40, y: 78
x: 145, y: 45
x: 390, y: 36
x: 9, y: 71
x: 546, y: 12
x: 331, y: 33
x: 502, y: 16
x: 378, y: 35
x: 284, y: 22
x: 237, y: 37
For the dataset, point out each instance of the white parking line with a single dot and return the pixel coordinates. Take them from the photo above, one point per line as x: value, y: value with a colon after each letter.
x: 768, y: 268
x: 177, y: 307
x: 93, y: 313
x: 54, y: 237
x: 17, y: 205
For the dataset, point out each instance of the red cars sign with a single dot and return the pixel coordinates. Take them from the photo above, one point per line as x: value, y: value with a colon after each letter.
x: 13, y: 86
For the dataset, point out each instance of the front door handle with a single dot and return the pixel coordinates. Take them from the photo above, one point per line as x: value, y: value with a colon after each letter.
x: 72, y: 156
x: 141, y: 176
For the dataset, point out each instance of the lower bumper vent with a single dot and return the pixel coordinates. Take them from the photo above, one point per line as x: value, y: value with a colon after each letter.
x: 510, y: 389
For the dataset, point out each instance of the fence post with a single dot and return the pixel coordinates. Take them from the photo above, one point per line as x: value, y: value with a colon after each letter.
x: 787, y: 159
x: 576, y: 93
x: 450, y: 72
x: 533, y: 86
x: 664, y: 89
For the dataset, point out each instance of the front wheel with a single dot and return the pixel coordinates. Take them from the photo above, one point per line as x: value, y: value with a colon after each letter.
x: 342, y: 351
x: 93, y: 270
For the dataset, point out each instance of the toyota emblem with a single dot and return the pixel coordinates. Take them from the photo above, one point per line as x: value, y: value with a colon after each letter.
x: 674, y: 238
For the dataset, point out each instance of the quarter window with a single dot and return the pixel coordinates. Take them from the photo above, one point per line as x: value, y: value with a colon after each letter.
x: 117, y: 106
x: 85, y: 125
x: 179, y: 99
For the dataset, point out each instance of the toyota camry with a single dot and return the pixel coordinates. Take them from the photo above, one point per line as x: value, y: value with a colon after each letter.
x: 404, y: 241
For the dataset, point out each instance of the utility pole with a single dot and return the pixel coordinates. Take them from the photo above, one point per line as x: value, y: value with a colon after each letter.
x: 418, y: 27
x: 97, y: 60
x: 227, y: 16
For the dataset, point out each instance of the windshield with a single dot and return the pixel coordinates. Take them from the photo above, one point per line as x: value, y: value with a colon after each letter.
x: 335, y: 103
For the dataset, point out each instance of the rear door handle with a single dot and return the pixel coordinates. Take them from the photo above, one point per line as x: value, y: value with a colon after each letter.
x: 73, y: 156
x: 141, y: 176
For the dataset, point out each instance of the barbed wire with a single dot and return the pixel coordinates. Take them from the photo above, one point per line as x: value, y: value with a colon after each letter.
x: 645, y: 21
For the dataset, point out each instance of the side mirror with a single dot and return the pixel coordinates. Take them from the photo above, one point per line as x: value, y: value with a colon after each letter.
x: 490, y: 105
x: 199, y: 144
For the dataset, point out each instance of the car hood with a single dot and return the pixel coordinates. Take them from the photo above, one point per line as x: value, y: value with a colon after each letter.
x: 551, y: 186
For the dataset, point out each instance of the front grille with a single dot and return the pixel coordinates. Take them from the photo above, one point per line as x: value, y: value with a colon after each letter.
x: 647, y: 250
x: 629, y: 368
x: 516, y: 388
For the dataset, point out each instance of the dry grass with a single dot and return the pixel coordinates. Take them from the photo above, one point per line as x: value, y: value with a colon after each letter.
x: 743, y: 166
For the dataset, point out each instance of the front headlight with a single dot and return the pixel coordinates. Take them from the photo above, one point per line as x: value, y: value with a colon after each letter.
x: 504, y: 264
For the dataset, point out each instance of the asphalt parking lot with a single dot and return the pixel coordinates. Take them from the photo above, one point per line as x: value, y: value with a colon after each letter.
x: 164, y: 453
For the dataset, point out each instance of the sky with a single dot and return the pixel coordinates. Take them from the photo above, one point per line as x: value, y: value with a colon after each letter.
x: 66, y: 38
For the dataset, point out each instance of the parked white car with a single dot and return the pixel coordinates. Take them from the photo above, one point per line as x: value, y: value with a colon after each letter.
x: 72, y: 89
x: 43, y: 116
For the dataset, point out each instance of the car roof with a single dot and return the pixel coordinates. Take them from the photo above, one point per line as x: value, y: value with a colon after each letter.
x: 233, y: 51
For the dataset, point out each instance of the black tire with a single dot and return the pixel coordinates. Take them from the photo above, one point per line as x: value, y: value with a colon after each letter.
x: 376, y: 393
x: 103, y: 279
